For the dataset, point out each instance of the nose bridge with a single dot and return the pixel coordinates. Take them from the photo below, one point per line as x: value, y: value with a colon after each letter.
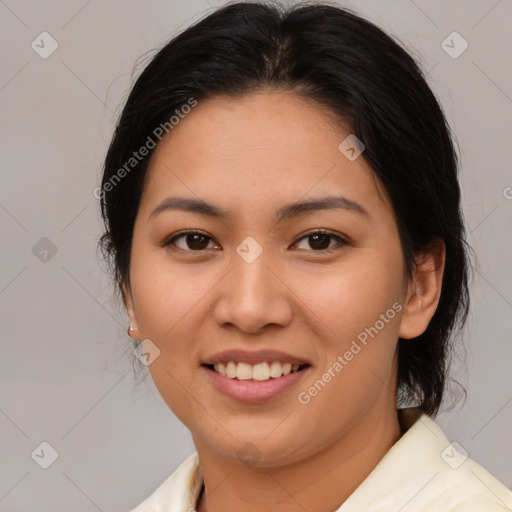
x: 252, y: 296
x: 251, y: 272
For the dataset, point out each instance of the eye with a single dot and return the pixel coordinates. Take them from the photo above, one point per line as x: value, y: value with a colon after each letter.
x: 193, y: 241
x: 320, y: 240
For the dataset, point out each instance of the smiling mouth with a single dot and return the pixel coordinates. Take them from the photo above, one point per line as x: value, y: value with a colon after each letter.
x: 258, y: 372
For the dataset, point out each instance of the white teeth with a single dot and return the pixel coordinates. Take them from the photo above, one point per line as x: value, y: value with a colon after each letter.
x: 287, y: 368
x: 230, y: 370
x: 244, y: 371
x: 261, y: 371
x: 275, y: 369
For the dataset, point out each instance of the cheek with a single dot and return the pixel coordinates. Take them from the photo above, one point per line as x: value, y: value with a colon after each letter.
x: 352, y: 295
x: 165, y: 295
x: 359, y: 305
x: 179, y: 392
x: 357, y: 364
x: 169, y: 307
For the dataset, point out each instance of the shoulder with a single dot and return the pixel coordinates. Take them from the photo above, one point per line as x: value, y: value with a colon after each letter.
x: 424, y: 472
x: 178, y: 492
x: 471, y: 488
x: 460, y: 482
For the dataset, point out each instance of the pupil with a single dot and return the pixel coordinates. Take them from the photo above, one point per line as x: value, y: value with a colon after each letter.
x: 194, y: 243
x: 323, y: 238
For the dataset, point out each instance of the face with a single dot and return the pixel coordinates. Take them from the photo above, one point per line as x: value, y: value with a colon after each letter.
x: 323, y: 286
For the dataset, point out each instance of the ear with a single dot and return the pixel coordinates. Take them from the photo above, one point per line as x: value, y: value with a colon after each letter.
x: 133, y: 330
x: 424, y: 291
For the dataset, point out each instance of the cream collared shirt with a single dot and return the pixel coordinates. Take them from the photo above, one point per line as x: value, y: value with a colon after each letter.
x: 421, y: 472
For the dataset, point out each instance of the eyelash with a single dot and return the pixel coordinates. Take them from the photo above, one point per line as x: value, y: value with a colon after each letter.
x: 170, y: 241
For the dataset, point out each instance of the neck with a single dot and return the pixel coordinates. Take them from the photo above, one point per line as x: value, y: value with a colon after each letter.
x: 319, y: 483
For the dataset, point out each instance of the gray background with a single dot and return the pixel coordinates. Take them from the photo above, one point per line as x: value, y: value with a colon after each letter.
x: 66, y: 375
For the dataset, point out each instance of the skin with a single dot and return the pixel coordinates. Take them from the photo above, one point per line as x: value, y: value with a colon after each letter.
x: 251, y: 156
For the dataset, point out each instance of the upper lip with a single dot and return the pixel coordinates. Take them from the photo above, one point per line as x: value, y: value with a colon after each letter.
x: 253, y: 357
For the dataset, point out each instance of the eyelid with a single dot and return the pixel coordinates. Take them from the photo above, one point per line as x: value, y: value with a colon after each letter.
x: 170, y: 240
x: 342, y: 240
x: 319, y: 231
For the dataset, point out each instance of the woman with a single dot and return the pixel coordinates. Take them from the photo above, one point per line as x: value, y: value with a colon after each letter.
x: 283, y: 222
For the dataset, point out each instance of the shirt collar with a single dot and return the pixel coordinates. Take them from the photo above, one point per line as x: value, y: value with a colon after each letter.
x: 398, y: 476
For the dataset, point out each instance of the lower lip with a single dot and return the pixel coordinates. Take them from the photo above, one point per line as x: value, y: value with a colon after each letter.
x: 254, y: 391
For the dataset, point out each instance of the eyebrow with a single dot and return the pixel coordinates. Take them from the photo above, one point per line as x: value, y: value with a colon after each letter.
x: 286, y: 212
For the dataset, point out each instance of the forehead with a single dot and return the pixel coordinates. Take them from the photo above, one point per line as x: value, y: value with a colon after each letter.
x: 261, y: 150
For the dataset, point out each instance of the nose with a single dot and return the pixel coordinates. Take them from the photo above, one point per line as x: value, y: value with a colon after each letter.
x: 253, y: 296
